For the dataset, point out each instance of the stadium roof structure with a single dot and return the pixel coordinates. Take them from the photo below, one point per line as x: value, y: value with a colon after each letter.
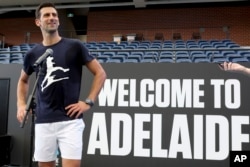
x: 17, y: 5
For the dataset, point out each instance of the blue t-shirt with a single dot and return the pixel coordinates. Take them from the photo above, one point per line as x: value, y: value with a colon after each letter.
x: 60, y: 80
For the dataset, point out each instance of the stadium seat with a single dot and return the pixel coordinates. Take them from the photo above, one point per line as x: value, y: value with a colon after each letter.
x: 167, y: 45
x: 137, y: 53
x: 155, y: 46
x: 114, y: 60
x: 95, y: 53
x: 216, y: 57
x: 110, y: 54
x: 166, y: 54
x: 15, y: 48
x: 166, y: 60
x: 239, y: 59
x: 244, y: 53
x: 190, y: 46
x: 183, y: 60
x: 119, y: 47
x: 135, y: 57
x: 199, y: 56
x: 16, y: 60
x: 148, y: 60
x: 105, y: 47
x: 4, y: 58
x: 118, y: 57
x: 102, y: 59
x: 124, y: 54
x: 182, y: 54
x: 130, y: 47
x: 143, y: 47
x: 131, y: 60
x: 153, y: 54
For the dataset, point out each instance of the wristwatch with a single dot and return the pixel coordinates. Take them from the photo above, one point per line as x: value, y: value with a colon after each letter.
x: 89, y: 102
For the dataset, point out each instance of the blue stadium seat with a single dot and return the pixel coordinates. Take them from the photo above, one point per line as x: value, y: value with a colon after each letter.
x: 153, y: 54
x: 180, y: 45
x: 105, y: 47
x: 114, y: 60
x: 131, y: 60
x: 147, y: 42
x: 119, y: 57
x: 151, y: 58
x: 123, y: 44
x: 130, y: 47
x: 230, y: 54
x: 199, y: 56
x: 166, y: 54
x: 15, y: 48
x: 4, y: 61
x: 92, y: 43
x: 110, y: 45
x: 93, y: 47
x: 134, y: 57
x: 25, y: 47
x: 4, y: 58
x: 143, y: 46
x: 218, y: 46
x: 119, y: 47
x: 148, y: 60
x: 167, y: 45
x: 103, y: 43
x: 139, y: 53
x: 244, y: 53
x: 102, y: 59
x: 206, y: 46
x: 217, y: 57
x: 239, y: 59
x: 183, y: 60
x: 110, y: 54
x: 166, y: 60
x: 155, y: 46
x: 95, y: 53
x: 182, y: 54
x: 194, y: 53
x: 135, y: 43
x: 190, y: 46
x: 14, y: 60
x: 123, y: 53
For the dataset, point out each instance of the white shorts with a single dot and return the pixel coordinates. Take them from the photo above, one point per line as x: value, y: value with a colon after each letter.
x: 67, y: 135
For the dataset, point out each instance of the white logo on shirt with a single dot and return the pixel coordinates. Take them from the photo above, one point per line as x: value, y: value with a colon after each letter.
x: 49, y: 78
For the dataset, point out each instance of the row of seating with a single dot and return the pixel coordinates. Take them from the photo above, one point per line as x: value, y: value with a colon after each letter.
x: 15, y: 53
x: 175, y: 57
x: 180, y: 51
x: 7, y: 58
x: 18, y: 48
x: 167, y: 44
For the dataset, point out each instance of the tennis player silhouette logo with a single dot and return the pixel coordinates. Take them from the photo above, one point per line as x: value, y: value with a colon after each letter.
x: 50, y: 78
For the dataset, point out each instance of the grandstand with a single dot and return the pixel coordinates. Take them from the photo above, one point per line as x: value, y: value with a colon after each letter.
x: 180, y: 51
x: 181, y: 35
x: 192, y: 51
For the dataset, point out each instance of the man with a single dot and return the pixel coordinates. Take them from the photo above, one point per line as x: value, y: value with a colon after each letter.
x: 58, y: 110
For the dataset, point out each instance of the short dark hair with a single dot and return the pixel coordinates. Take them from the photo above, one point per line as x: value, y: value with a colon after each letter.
x: 43, y: 5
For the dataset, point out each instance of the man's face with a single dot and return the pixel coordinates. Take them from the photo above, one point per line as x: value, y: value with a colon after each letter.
x: 48, y: 20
